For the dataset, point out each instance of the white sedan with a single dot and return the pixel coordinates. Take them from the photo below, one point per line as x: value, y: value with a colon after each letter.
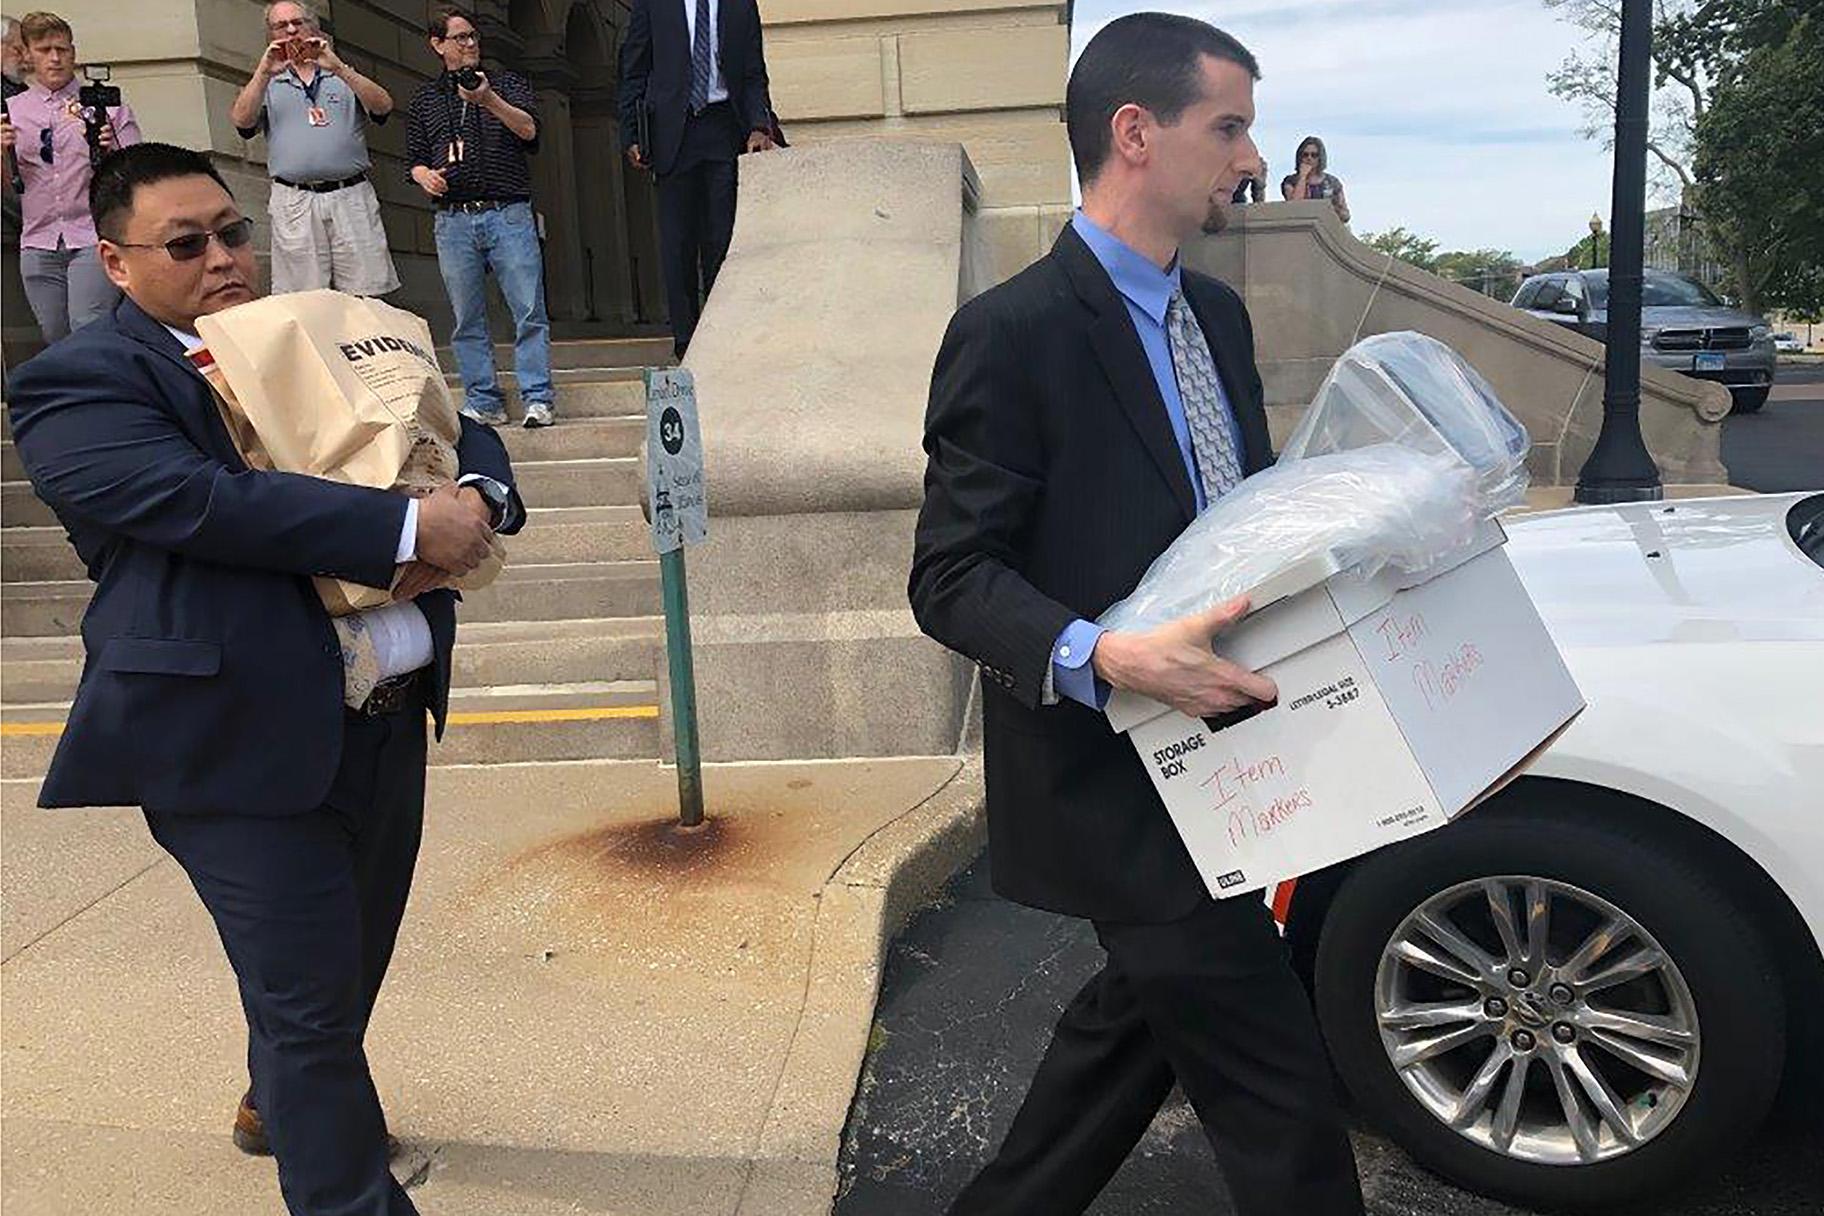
x: 1589, y: 987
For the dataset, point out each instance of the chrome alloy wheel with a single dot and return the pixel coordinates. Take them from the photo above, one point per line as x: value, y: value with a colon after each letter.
x: 1537, y: 1019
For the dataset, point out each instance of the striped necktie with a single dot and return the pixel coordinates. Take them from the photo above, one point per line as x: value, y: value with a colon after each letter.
x: 1205, y: 408
x: 700, y: 60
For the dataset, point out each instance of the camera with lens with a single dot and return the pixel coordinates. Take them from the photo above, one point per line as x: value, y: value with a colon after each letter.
x: 469, y: 78
x: 96, y: 98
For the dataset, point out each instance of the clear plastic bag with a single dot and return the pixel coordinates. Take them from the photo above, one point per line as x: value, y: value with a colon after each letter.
x: 1404, y: 450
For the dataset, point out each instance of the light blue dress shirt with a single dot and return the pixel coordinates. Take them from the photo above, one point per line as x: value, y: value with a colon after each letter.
x: 1147, y: 292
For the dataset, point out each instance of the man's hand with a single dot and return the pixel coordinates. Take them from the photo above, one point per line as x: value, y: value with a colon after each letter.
x: 327, y: 59
x: 474, y: 500
x: 416, y: 578
x: 1175, y: 665
x: 430, y: 180
x: 480, y: 95
x: 275, y: 59
x: 107, y: 137
x: 760, y: 141
x: 636, y: 156
x: 450, y: 536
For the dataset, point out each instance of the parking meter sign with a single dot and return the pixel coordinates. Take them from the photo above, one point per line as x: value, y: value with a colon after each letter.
x: 675, y: 495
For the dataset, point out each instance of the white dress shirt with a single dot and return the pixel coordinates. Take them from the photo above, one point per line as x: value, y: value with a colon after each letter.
x: 402, y: 637
x: 718, y: 88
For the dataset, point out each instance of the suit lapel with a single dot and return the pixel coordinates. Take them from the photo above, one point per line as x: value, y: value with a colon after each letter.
x: 1226, y: 349
x: 197, y: 407
x: 1123, y: 359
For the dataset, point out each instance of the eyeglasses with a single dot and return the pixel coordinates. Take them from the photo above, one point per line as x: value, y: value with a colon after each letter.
x: 45, y: 147
x: 289, y: 23
x: 189, y: 248
x: 467, y: 38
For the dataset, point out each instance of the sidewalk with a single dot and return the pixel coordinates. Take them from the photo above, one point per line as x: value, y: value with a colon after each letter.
x: 588, y: 1012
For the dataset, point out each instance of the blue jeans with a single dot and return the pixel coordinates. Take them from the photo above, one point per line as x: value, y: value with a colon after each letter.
x: 469, y: 244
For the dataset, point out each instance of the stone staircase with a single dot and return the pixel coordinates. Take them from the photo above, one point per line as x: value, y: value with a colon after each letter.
x: 557, y: 660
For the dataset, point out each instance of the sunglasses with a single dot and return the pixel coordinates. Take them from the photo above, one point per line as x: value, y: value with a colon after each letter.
x: 189, y: 248
x: 45, y: 148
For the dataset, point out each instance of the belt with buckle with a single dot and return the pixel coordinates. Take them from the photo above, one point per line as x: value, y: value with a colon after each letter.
x: 324, y: 187
x: 480, y: 204
x: 390, y: 696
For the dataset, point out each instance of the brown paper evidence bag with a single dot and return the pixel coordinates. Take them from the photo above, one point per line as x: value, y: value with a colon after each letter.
x: 340, y: 387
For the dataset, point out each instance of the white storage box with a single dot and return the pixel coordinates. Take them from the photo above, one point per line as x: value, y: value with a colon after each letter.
x: 1404, y: 699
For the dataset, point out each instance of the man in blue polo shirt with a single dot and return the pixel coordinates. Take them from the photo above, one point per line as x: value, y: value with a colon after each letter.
x: 314, y: 110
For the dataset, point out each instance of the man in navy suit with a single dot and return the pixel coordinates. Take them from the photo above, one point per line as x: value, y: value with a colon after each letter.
x: 212, y: 695
x: 696, y: 69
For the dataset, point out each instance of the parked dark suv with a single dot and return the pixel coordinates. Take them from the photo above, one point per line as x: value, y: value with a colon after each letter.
x: 1683, y: 327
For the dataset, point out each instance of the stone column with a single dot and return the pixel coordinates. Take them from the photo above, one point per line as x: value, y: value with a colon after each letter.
x: 554, y: 184
x: 599, y: 166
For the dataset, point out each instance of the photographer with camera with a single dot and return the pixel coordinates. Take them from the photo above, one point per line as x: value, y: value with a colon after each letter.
x: 314, y: 110
x: 467, y: 135
x: 57, y: 131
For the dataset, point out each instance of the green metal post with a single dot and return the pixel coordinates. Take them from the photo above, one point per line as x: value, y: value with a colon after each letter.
x: 683, y: 687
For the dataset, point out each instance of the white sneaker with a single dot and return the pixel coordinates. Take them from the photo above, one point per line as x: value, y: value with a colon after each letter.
x: 486, y: 417
x: 538, y: 414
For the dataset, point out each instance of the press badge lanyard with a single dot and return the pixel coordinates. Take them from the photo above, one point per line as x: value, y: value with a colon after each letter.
x: 458, y: 147
x: 316, y: 114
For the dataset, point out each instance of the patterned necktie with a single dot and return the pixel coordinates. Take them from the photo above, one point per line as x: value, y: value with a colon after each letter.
x: 1205, y: 409
x: 700, y: 60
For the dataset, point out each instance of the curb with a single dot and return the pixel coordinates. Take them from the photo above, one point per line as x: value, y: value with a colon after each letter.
x: 861, y: 908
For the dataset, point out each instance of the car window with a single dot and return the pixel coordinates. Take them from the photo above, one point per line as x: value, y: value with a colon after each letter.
x: 1599, y: 292
x: 1524, y: 298
x: 1550, y: 292
x: 1573, y: 287
x: 1675, y: 291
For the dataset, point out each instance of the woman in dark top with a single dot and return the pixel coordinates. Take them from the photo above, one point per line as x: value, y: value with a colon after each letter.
x: 1308, y: 179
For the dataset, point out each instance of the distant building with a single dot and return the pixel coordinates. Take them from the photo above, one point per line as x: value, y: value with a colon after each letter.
x: 1674, y: 242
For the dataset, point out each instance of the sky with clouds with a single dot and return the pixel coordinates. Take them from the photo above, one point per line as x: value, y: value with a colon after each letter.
x: 1435, y: 112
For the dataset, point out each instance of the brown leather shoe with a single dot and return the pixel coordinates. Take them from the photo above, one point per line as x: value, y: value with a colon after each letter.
x: 250, y: 1132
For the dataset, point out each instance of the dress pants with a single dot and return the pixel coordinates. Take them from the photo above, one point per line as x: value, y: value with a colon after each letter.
x: 1211, y: 1002
x: 66, y: 288
x: 308, y: 907
x: 697, y: 215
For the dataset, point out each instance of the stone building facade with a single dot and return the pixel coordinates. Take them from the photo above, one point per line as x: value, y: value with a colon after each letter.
x: 988, y: 73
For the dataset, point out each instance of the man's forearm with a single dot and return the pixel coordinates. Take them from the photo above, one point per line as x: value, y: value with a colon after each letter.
x: 513, y: 118
x: 245, y: 113
x: 374, y: 99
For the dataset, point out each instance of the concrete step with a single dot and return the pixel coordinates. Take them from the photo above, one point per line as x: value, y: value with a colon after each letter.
x: 585, y: 353
x: 609, y: 481
x: 488, y: 654
x: 10, y: 467
x: 602, y: 482
x: 593, y: 398
x: 575, y: 438
x: 610, y: 719
x: 534, y: 592
x: 552, y: 535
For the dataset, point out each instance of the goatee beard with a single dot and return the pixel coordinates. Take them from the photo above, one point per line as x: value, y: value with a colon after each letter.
x: 1216, y: 220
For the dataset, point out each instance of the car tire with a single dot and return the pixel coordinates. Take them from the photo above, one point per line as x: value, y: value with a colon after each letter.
x: 1748, y: 400
x: 1694, y: 917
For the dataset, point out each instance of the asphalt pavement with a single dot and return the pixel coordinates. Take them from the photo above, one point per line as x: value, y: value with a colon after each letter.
x: 971, y: 991
x: 1780, y: 447
x: 975, y: 983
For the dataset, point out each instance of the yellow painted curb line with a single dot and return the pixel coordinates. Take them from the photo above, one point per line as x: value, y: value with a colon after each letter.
x: 587, y: 713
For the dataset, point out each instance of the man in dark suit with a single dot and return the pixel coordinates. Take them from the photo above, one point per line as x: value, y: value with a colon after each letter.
x: 1081, y: 414
x: 693, y: 75
x: 213, y: 691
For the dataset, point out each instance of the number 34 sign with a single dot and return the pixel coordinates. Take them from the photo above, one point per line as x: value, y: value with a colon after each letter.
x: 675, y: 499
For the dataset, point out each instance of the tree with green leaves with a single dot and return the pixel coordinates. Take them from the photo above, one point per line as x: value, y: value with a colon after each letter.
x: 1737, y: 116
x: 1493, y: 272
x: 1409, y: 247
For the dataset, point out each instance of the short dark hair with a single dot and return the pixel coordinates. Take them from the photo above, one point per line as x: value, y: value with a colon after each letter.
x: 1146, y: 59
x: 121, y: 173
x: 441, y: 16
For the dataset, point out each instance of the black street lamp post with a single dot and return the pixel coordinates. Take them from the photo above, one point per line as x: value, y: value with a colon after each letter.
x: 1619, y: 468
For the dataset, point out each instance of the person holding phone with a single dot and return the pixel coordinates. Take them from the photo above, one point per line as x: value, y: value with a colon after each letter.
x: 46, y: 133
x: 314, y: 110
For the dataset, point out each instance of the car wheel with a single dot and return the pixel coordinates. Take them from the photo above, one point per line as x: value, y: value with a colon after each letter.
x: 1550, y: 1008
x: 1747, y: 400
